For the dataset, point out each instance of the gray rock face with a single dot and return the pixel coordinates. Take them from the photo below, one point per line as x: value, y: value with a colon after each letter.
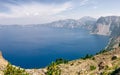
x: 109, y: 25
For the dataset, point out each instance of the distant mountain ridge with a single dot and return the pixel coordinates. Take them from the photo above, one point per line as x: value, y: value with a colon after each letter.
x: 84, y: 22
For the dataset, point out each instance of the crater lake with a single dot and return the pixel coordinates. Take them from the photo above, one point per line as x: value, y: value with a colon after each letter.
x: 38, y: 46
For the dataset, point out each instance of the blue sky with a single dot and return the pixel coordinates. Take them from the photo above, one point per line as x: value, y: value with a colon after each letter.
x: 43, y: 11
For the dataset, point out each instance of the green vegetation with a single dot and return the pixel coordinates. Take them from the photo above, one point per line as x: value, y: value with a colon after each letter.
x: 87, y: 56
x: 10, y: 70
x: 105, y: 73
x: 93, y: 58
x: 60, y: 61
x: 102, y: 51
x: 114, y: 58
x: 116, y: 72
x: 119, y: 44
x: 92, y: 67
x: 53, y: 68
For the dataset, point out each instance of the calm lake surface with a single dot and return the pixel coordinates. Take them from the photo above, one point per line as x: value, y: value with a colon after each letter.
x: 33, y: 47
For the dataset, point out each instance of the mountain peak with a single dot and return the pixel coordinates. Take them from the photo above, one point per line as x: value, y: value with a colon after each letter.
x: 86, y: 18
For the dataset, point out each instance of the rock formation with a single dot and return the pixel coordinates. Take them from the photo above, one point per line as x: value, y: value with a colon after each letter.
x: 3, y: 64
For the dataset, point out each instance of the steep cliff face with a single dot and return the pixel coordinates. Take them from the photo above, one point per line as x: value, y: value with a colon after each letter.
x: 114, y: 42
x: 109, y: 26
x: 103, y: 29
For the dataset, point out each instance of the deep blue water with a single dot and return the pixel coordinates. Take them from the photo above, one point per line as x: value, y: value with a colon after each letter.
x: 33, y: 47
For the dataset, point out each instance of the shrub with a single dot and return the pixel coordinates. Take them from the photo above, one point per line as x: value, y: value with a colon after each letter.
x: 102, y: 51
x: 104, y: 73
x: 10, y: 70
x: 114, y: 57
x: 92, y: 67
x: 53, y: 68
x: 119, y: 44
x: 93, y: 58
x: 60, y: 61
x: 116, y: 72
x: 87, y: 56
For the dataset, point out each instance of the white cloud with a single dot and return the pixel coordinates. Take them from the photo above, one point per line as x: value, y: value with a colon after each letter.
x: 95, y: 7
x: 35, y: 9
x: 83, y: 2
x: 34, y: 13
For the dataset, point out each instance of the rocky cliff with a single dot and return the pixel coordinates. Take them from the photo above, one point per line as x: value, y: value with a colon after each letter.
x: 109, y: 26
x: 3, y: 64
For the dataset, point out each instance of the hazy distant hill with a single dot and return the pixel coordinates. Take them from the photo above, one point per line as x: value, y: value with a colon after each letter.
x: 84, y: 22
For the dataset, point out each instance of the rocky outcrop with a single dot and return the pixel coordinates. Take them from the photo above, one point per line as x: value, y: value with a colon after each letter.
x: 3, y: 64
x: 107, y: 25
x: 103, y: 29
x: 36, y: 71
x: 114, y: 42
